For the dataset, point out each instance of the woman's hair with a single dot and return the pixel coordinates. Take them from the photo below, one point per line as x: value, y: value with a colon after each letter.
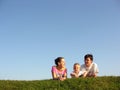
x: 58, y: 59
x: 88, y: 56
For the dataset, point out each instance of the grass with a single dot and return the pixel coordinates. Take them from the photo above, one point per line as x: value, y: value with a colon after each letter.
x: 99, y: 83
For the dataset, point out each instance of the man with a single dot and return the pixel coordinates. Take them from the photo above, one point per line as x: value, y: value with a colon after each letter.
x: 89, y: 69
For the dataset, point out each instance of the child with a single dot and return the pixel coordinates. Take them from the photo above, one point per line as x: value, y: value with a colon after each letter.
x: 76, y: 71
x: 59, y: 72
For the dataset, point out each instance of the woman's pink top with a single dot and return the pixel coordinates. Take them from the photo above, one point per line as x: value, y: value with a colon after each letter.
x: 59, y: 73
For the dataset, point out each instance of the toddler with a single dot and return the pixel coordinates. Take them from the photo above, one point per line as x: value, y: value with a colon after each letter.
x: 76, y: 71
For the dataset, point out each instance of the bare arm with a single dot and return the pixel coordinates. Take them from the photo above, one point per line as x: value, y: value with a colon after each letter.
x: 54, y: 76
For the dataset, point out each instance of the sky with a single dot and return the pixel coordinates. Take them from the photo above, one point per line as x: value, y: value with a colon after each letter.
x: 35, y: 32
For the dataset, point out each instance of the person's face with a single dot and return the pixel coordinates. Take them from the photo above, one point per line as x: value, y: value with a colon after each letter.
x: 76, y: 68
x: 61, y: 63
x: 88, y: 62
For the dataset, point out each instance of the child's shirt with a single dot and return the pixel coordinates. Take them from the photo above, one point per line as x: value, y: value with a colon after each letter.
x: 77, y: 74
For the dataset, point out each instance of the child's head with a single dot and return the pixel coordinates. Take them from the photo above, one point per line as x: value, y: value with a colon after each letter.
x: 76, y: 67
x: 60, y: 61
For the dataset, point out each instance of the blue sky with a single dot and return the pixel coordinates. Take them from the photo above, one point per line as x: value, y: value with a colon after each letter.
x: 34, y: 32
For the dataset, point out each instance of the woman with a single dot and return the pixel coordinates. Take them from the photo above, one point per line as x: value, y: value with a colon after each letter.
x: 59, y: 72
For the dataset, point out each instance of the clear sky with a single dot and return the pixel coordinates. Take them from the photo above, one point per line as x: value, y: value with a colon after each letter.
x: 35, y: 32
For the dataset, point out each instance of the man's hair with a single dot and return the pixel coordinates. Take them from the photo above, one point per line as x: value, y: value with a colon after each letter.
x: 88, y: 56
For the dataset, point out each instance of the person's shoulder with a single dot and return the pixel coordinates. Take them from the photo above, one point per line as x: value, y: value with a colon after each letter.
x: 95, y: 64
x: 65, y: 69
x: 72, y: 72
x: 83, y: 65
x: 53, y: 66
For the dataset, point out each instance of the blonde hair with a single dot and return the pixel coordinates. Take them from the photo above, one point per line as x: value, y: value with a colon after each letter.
x: 76, y: 64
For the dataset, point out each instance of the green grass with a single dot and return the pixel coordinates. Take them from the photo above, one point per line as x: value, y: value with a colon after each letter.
x: 99, y: 83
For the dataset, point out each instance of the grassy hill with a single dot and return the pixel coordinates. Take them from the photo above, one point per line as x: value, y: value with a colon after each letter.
x: 99, y: 83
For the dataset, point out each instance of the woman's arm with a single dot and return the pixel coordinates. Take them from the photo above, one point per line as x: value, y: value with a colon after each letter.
x: 53, y: 71
x: 63, y: 77
x: 54, y: 76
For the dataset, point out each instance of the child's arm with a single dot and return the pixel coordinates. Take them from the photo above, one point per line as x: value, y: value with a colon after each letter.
x: 72, y: 75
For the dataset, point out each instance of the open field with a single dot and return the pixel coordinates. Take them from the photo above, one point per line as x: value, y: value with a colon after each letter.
x: 99, y: 83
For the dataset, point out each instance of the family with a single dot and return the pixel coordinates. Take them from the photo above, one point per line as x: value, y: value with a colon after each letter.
x: 88, y: 69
